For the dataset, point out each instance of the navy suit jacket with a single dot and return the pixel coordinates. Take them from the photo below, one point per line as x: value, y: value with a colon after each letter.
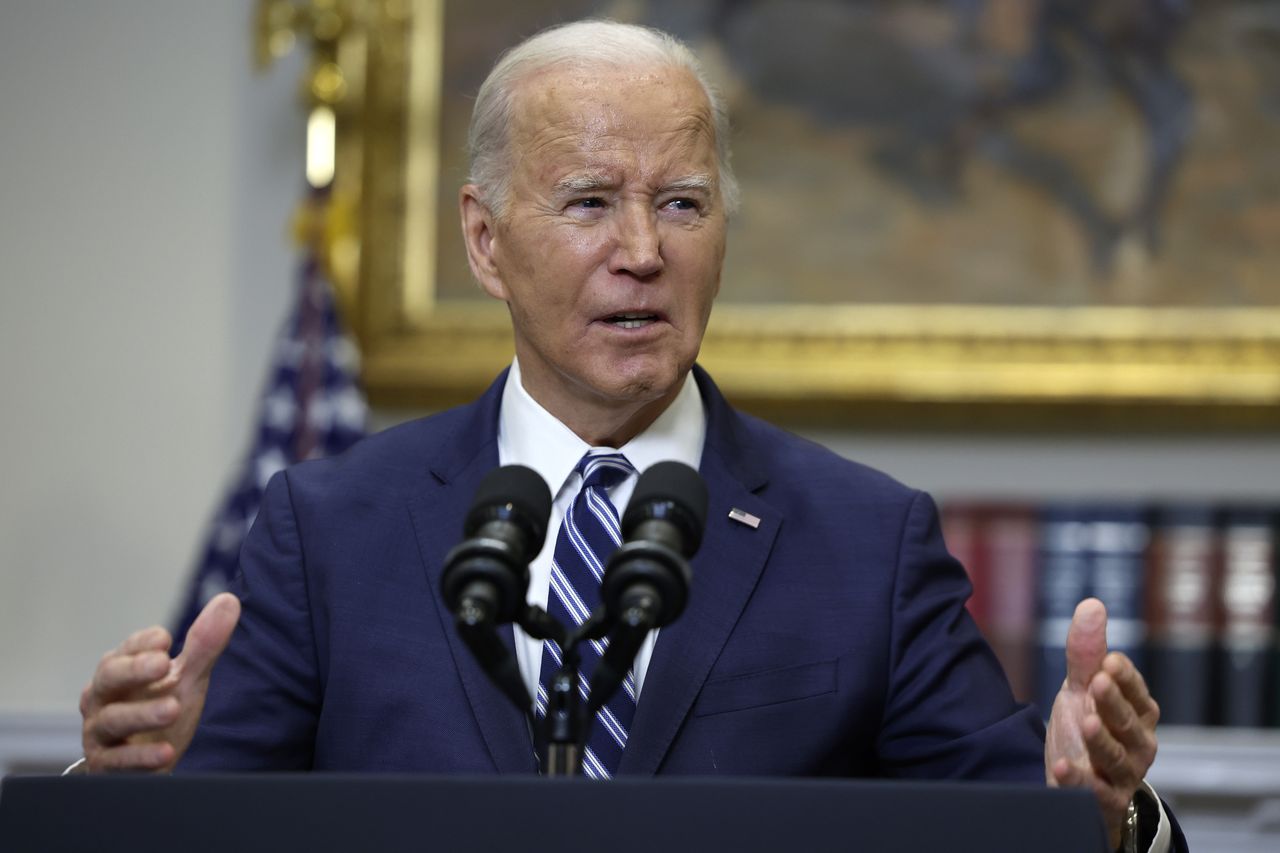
x: 832, y: 640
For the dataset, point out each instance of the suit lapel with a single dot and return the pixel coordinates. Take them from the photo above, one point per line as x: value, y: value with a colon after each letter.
x: 438, y: 510
x: 725, y: 572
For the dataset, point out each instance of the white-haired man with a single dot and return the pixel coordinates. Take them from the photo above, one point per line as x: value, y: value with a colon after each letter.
x: 826, y: 632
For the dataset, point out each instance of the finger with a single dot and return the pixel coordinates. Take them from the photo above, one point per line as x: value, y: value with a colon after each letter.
x: 1108, y: 756
x: 118, y: 675
x: 1134, y: 732
x: 1118, y: 715
x: 209, y: 635
x: 1067, y: 774
x: 1137, y: 740
x: 120, y: 720
x: 132, y: 756
x: 150, y: 639
x: 1086, y: 642
x: 1132, y: 685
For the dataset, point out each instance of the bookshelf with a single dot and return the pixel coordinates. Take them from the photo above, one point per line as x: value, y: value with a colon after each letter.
x: 1224, y: 786
x: 1221, y: 762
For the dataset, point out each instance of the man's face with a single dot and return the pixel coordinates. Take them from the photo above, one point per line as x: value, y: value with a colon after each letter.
x: 608, y: 253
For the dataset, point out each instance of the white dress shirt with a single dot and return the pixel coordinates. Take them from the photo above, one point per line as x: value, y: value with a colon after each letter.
x: 530, y: 435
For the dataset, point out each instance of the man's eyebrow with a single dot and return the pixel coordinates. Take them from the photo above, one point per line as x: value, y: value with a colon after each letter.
x: 593, y: 182
x: 689, y: 182
x: 582, y: 184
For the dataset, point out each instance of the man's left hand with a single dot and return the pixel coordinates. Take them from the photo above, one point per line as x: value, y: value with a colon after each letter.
x: 1102, y: 732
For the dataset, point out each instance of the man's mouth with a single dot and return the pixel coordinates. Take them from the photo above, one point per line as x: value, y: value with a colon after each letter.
x: 631, y: 321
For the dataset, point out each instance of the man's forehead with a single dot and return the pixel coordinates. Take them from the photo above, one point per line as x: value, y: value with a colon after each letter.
x: 604, y: 127
x: 577, y: 76
x: 601, y: 101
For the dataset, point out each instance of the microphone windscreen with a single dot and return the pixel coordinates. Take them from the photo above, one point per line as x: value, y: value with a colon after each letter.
x: 512, y: 493
x: 671, y: 491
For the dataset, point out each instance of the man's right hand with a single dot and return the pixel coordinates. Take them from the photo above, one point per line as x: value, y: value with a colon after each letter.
x: 141, y: 709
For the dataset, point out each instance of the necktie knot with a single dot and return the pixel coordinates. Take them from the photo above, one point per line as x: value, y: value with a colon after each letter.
x: 603, y: 470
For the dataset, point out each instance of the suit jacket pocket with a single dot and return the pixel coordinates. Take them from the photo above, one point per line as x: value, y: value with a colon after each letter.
x: 759, y: 689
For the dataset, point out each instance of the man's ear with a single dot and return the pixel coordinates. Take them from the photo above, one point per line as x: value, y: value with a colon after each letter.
x: 479, y: 235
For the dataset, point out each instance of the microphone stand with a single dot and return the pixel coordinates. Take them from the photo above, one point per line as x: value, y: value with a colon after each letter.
x: 565, y: 727
x: 567, y: 722
x: 563, y: 732
x: 564, y: 724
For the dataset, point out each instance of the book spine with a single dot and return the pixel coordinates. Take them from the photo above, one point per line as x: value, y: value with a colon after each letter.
x: 1273, y: 715
x: 1248, y: 600
x: 1087, y: 551
x: 1274, y: 690
x: 1010, y: 537
x: 1120, y: 538
x: 1063, y: 575
x: 1182, y: 587
x: 961, y: 528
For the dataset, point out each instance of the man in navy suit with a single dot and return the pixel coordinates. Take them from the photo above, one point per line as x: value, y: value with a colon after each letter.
x: 826, y: 632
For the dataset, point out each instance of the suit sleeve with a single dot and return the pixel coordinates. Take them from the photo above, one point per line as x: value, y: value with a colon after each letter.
x: 264, y: 697
x: 949, y: 712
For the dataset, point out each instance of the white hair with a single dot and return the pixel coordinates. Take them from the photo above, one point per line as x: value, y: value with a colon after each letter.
x: 582, y: 44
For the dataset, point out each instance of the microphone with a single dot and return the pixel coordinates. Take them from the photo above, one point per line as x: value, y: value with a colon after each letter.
x: 646, y: 582
x: 661, y: 529
x: 486, y: 577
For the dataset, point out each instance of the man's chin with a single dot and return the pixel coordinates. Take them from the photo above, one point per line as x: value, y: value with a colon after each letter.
x: 644, y: 383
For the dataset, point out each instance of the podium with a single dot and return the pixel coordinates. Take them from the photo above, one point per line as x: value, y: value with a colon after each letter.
x: 389, y: 814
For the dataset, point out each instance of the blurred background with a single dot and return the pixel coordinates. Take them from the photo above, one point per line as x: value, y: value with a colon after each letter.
x: 148, y: 182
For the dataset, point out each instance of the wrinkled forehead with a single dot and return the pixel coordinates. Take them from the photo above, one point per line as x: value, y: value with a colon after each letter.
x: 593, y: 106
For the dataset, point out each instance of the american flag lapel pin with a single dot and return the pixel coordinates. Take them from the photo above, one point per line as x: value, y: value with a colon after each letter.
x: 743, y: 517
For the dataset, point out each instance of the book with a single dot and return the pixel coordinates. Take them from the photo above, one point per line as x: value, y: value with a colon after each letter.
x: 1090, y: 550
x: 1182, y: 593
x: 996, y: 543
x: 1063, y: 575
x: 1010, y: 538
x: 1248, y: 601
x: 961, y: 530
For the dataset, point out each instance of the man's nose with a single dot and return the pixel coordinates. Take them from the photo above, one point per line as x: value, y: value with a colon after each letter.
x: 638, y: 247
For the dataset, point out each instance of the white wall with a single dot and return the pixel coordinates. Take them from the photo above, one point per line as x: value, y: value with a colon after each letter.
x: 145, y: 182
x: 146, y: 178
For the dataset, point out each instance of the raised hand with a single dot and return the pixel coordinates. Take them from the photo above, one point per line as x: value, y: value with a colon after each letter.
x: 1102, y: 731
x: 141, y: 709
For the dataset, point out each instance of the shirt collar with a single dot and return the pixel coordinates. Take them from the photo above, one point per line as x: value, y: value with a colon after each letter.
x: 530, y: 435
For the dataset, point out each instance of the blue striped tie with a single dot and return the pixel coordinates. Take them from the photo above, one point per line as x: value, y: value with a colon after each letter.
x: 588, y: 535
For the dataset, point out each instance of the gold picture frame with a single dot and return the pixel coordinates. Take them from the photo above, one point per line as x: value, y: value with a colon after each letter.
x: 866, y: 364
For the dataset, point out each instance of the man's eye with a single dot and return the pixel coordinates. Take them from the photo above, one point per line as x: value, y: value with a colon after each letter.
x: 591, y: 203
x: 682, y: 204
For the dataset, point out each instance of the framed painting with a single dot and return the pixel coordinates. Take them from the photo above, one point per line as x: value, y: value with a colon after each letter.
x: 953, y: 210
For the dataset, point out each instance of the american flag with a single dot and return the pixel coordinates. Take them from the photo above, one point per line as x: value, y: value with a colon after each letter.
x: 312, y: 406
